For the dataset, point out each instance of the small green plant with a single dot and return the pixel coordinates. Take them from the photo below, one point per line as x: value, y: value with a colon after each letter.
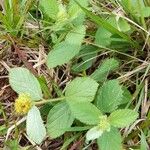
x: 13, y: 16
x: 92, y: 85
x: 76, y: 103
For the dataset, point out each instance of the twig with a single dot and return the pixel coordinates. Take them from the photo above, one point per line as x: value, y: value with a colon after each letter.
x: 13, y: 126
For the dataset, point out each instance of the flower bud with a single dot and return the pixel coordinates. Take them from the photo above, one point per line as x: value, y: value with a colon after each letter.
x: 104, y: 124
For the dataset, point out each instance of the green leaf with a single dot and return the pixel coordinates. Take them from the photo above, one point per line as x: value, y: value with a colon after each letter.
x: 87, y: 56
x: 110, y: 140
x: 77, y: 128
x: 132, y: 6
x: 109, y: 96
x: 35, y: 127
x: 122, y: 117
x: 146, y: 11
x: 104, y: 69
x: 66, y: 50
x: 103, y: 23
x: 120, y: 24
x: 77, y: 16
x: 61, y: 54
x: 74, y: 10
x: 22, y: 81
x: 59, y: 119
x: 126, y: 95
x: 102, y: 37
x: 82, y: 66
x: 50, y: 8
x: 123, y: 25
x: 81, y: 89
x: 76, y: 36
x: 85, y: 112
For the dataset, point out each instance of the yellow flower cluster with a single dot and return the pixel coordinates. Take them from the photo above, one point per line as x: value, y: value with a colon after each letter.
x: 23, y: 104
x: 104, y: 124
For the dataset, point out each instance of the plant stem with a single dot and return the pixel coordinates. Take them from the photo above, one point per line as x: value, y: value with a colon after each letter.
x: 44, y: 101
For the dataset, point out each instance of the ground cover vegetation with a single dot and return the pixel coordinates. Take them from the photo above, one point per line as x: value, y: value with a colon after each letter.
x: 74, y: 74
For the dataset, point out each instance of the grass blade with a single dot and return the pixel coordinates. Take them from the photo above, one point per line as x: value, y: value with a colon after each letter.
x: 103, y: 23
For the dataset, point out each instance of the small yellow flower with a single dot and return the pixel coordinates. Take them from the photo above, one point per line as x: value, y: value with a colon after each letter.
x: 23, y: 104
x: 104, y: 124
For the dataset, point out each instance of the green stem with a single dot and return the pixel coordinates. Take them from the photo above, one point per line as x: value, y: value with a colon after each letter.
x: 49, y: 100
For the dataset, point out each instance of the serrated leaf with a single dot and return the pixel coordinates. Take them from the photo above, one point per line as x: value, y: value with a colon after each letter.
x: 85, y: 112
x: 76, y: 36
x: 35, y: 128
x: 66, y: 50
x: 122, y: 117
x: 76, y: 14
x: 49, y: 7
x: 74, y: 10
x: 126, y: 95
x: 109, y: 96
x: 102, y: 37
x: 110, y: 140
x: 59, y: 119
x: 22, y: 81
x: 81, y: 89
x: 104, y: 69
x: 61, y: 54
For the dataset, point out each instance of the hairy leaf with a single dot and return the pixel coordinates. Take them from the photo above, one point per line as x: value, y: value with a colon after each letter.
x: 81, y: 89
x: 104, y: 69
x: 110, y: 140
x: 122, y: 117
x: 59, y: 119
x: 109, y: 96
x: 85, y: 112
x: 66, y: 50
x: 22, y: 81
x: 35, y: 127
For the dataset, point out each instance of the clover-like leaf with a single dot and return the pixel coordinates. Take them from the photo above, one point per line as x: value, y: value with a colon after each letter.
x: 85, y: 112
x: 104, y: 69
x: 110, y: 140
x: 122, y: 117
x: 23, y: 81
x: 59, y: 119
x: 66, y: 50
x: 109, y: 96
x: 35, y: 127
x: 81, y: 89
